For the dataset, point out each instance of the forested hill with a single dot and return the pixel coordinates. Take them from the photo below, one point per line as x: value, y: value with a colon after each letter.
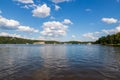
x: 14, y: 40
x: 113, y: 39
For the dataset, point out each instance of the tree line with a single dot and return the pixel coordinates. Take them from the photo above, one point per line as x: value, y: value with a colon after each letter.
x: 15, y: 40
x: 109, y: 39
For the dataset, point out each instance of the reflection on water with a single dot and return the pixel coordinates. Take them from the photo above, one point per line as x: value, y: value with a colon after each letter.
x: 59, y: 62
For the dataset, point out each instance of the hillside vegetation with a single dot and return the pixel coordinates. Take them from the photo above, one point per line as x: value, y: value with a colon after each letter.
x: 15, y: 40
x: 113, y: 39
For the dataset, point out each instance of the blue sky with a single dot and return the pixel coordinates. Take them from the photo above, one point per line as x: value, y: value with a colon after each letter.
x: 63, y: 20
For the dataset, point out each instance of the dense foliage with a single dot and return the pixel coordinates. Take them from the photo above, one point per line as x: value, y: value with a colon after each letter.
x: 109, y: 39
x: 52, y: 42
x: 14, y: 40
x: 72, y: 42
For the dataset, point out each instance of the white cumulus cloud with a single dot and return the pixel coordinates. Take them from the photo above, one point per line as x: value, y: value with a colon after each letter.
x: 109, y: 20
x: 96, y: 35
x: 92, y: 36
x: 54, y: 29
x: 117, y: 29
x: 8, y: 23
x: 25, y: 1
x: 109, y: 31
x: 67, y: 21
x: 41, y: 11
x: 11, y: 24
x: 27, y: 29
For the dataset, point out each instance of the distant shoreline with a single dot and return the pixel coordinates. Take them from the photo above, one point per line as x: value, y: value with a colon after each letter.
x: 15, y: 40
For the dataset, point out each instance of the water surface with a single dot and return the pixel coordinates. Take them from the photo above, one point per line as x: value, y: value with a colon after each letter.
x: 59, y: 62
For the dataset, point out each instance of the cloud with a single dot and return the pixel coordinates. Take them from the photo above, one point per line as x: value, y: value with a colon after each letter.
x: 52, y: 17
x: 29, y: 6
x: 112, y: 31
x: 67, y: 21
x: 117, y: 29
x: 88, y: 10
x: 57, y: 7
x: 41, y: 11
x: 73, y: 36
x: 25, y: 1
x: 109, y: 31
x: 109, y: 20
x: 26, y: 7
x: 60, y: 1
x: 97, y: 32
x: 10, y: 35
x: 32, y: 6
x: 96, y: 35
x: 27, y: 29
x: 54, y: 29
x: 10, y: 24
x: 90, y: 36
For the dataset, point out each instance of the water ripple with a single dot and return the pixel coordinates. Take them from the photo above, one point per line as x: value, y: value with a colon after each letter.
x: 59, y: 62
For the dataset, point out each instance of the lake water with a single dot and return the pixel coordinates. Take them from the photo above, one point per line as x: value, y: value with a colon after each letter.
x: 59, y: 62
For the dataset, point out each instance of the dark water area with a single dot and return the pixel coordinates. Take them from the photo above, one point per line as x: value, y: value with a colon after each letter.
x: 59, y: 62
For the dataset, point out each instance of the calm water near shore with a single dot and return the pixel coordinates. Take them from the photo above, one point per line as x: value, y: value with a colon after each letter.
x: 59, y: 62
